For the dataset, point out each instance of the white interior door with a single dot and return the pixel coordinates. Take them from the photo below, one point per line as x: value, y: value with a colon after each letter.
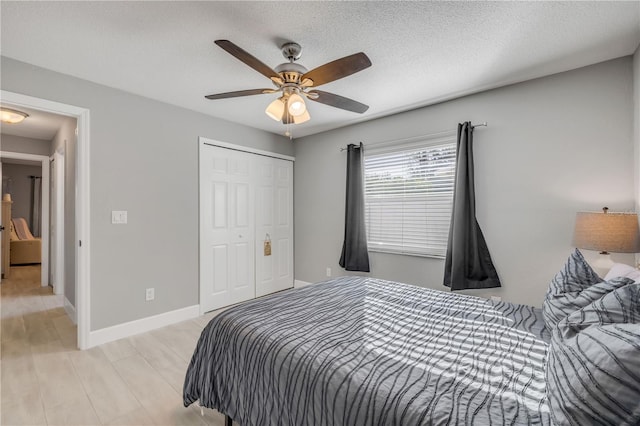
x: 53, y: 228
x: 274, y: 217
x: 57, y: 223
x: 3, y: 230
x: 227, y: 230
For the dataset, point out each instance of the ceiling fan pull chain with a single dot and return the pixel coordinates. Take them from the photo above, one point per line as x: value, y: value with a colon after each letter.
x: 288, y: 132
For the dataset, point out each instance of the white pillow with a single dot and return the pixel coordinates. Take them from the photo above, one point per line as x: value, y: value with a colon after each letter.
x: 622, y: 270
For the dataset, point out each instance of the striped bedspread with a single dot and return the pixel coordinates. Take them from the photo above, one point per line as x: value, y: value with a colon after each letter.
x: 363, y: 351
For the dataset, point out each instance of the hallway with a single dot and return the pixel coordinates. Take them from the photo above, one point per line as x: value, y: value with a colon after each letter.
x: 46, y: 380
x: 32, y: 314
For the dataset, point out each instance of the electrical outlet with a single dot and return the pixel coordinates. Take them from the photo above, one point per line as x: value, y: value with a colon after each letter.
x: 496, y: 298
x: 150, y: 294
x: 328, y: 271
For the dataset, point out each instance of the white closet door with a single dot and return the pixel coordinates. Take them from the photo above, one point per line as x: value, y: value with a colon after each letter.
x: 274, y: 221
x: 227, y: 237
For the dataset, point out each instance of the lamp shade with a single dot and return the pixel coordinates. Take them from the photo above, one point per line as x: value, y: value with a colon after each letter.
x: 607, y: 232
x: 275, y: 109
x: 296, y: 105
x: 301, y: 118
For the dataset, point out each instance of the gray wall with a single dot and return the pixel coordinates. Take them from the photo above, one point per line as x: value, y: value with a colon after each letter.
x: 24, y: 145
x: 554, y: 146
x: 65, y: 141
x: 144, y: 159
x: 21, y: 189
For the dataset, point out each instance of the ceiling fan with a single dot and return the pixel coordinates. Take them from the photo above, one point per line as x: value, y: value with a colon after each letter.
x: 295, y: 82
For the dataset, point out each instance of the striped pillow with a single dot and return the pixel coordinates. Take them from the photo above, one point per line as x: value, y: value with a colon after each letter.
x: 566, y: 291
x: 557, y: 307
x: 619, y: 306
x: 593, y: 369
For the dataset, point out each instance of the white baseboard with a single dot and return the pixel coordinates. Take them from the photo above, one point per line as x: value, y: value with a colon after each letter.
x: 299, y: 283
x: 120, y: 331
x: 70, y: 310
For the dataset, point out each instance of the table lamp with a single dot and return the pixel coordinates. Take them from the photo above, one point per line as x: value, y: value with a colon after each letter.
x: 607, y: 232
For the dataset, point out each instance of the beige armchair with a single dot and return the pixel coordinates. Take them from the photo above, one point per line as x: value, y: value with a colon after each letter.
x: 25, y: 248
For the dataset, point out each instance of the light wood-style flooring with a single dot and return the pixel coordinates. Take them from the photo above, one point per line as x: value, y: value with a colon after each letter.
x: 47, y: 381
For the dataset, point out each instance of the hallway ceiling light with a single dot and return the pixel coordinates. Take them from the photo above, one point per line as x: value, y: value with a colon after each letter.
x: 12, y: 116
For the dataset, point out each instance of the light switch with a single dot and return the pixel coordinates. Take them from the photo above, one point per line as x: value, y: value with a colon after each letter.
x: 119, y: 217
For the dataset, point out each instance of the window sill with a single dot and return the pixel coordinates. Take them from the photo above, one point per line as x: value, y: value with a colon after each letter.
x: 401, y: 253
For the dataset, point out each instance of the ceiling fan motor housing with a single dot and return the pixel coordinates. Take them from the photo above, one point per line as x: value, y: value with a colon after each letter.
x: 290, y: 72
x: 291, y: 51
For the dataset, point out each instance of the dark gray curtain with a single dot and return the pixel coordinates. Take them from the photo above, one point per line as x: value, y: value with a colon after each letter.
x: 468, y: 263
x: 355, y: 256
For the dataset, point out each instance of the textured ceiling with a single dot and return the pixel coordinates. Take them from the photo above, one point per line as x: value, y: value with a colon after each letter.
x: 422, y: 52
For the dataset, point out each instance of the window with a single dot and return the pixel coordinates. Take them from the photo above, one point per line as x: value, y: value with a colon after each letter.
x: 408, y: 196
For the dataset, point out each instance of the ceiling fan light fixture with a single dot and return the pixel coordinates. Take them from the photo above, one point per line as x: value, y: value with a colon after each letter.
x: 296, y: 105
x: 293, y: 81
x: 275, y: 109
x: 12, y: 116
x: 299, y: 119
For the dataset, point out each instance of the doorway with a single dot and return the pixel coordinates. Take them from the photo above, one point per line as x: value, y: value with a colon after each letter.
x: 24, y: 178
x: 81, y: 243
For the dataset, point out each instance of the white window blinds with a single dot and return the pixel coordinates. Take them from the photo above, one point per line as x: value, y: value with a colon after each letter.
x: 408, y: 196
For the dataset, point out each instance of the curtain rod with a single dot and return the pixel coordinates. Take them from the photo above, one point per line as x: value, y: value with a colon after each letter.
x: 473, y: 126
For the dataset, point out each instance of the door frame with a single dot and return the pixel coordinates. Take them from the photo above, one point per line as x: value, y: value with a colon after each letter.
x: 202, y: 143
x: 44, y: 207
x: 83, y: 196
x: 57, y: 201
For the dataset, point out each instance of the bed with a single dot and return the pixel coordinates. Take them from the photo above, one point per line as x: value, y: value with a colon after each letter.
x: 364, y: 351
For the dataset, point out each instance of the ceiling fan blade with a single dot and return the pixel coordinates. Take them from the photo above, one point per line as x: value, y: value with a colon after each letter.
x: 239, y: 93
x: 339, y: 101
x: 338, y: 69
x: 248, y: 59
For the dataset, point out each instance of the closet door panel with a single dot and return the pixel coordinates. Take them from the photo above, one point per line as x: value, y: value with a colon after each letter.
x: 219, y: 263
x: 274, y: 214
x: 227, y: 230
x: 264, y: 214
x: 284, y: 261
